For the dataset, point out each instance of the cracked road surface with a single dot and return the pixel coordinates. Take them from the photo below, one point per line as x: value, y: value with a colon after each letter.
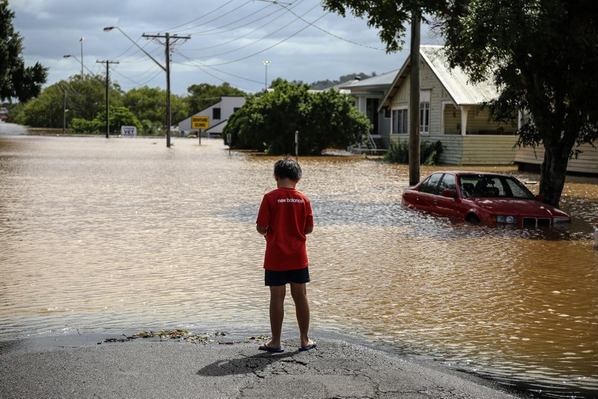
x: 154, y: 369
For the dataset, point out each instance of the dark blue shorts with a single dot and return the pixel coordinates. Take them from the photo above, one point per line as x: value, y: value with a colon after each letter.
x: 299, y: 276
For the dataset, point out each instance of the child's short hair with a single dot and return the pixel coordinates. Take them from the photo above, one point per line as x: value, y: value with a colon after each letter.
x: 287, y: 168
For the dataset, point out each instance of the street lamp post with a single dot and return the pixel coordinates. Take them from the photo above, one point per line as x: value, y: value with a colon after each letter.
x: 81, y: 41
x: 79, y: 61
x: 266, y: 63
x: 167, y: 37
x: 76, y: 59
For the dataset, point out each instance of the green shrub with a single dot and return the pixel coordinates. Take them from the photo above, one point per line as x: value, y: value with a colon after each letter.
x: 80, y: 125
x: 268, y: 121
x: 429, y: 153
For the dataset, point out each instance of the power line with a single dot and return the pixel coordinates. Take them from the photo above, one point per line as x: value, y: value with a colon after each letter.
x: 276, y: 11
x: 205, y: 32
x: 217, y: 9
x: 330, y: 33
x: 167, y: 43
x: 132, y: 45
x: 269, y: 47
x: 261, y: 38
x: 139, y: 84
x: 202, y: 66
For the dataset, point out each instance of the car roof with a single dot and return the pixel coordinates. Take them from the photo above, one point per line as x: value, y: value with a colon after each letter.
x: 470, y: 172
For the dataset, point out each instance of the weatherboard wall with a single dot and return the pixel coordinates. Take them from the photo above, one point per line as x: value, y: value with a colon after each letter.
x: 471, y: 149
x: 585, y: 162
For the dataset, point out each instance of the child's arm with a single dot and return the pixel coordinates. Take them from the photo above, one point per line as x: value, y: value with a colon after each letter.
x: 309, y: 228
x: 309, y: 219
x: 261, y: 229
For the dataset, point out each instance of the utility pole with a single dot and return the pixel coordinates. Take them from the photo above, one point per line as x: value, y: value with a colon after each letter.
x: 414, y: 98
x: 107, y: 62
x: 64, y: 113
x: 167, y: 43
x: 64, y: 103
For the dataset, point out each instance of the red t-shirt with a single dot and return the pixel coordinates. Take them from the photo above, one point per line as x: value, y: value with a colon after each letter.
x: 286, y: 213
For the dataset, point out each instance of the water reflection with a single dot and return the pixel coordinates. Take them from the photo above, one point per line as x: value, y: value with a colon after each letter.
x: 10, y: 129
x: 125, y: 233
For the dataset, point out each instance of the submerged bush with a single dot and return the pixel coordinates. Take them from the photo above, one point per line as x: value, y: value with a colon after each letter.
x: 268, y: 121
x: 429, y: 153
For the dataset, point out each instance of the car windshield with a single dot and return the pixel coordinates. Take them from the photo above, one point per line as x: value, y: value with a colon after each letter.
x: 486, y: 186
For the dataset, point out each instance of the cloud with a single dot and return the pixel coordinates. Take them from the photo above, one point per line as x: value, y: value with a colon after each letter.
x: 229, y: 40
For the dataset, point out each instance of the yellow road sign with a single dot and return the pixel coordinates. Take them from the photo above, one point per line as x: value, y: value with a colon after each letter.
x: 200, y: 122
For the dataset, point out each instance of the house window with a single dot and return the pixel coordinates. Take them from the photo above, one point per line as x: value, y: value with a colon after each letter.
x: 424, y: 117
x: 399, y: 120
x: 371, y: 106
x: 235, y: 109
x: 387, y: 113
x: 424, y: 111
x: 215, y: 113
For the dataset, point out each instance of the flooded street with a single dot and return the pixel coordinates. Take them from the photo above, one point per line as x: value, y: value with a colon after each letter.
x: 125, y: 233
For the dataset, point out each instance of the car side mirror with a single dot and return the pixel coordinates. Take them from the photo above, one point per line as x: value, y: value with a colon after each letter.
x: 540, y: 198
x: 450, y: 193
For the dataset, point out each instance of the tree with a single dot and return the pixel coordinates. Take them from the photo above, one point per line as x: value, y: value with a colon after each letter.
x: 542, y: 55
x: 84, y: 100
x: 268, y: 121
x: 119, y: 116
x: 391, y: 16
x: 204, y: 95
x: 148, y: 104
x: 16, y: 80
x: 86, y: 95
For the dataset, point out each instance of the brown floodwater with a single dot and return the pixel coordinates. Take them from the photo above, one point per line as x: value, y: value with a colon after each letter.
x: 125, y: 233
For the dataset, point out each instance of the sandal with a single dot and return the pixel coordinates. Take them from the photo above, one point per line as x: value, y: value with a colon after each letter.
x: 270, y: 349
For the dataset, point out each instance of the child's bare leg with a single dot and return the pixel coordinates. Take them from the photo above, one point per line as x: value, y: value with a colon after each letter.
x: 277, y: 294
x: 299, y: 293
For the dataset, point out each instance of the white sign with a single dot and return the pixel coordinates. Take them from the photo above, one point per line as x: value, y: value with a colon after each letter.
x: 128, y: 131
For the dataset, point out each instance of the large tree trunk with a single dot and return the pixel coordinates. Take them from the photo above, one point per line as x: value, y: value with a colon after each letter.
x: 554, y: 171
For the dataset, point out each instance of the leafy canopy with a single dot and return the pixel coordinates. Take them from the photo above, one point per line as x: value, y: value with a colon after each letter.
x: 85, y: 98
x: 543, y: 56
x: 390, y: 16
x: 16, y: 80
x: 268, y: 121
x: 149, y: 105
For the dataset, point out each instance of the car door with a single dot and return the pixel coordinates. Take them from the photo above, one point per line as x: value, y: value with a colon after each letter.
x: 428, y: 194
x: 447, y: 206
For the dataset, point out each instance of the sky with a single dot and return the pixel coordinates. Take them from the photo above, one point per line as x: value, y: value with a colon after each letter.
x: 229, y: 41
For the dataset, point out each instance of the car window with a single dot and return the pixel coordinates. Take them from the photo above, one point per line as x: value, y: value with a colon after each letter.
x: 486, y: 186
x: 492, y: 187
x: 447, y: 182
x: 482, y: 186
x: 517, y: 189
x: 430, y: 185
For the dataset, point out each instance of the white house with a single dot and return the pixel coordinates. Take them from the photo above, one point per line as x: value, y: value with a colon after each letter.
x: 368, y: 94
x: 452, y: 111
x: 218, y: 115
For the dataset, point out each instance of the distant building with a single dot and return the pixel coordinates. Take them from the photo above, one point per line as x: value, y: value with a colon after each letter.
x: 218, y: 115
x: 368, y: 94
x: 3, y: 114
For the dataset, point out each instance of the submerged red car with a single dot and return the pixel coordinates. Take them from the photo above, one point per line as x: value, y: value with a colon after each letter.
x: 482, y: 198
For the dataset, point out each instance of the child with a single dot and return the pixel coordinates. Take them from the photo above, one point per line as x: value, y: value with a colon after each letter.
x: 285, y: 218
